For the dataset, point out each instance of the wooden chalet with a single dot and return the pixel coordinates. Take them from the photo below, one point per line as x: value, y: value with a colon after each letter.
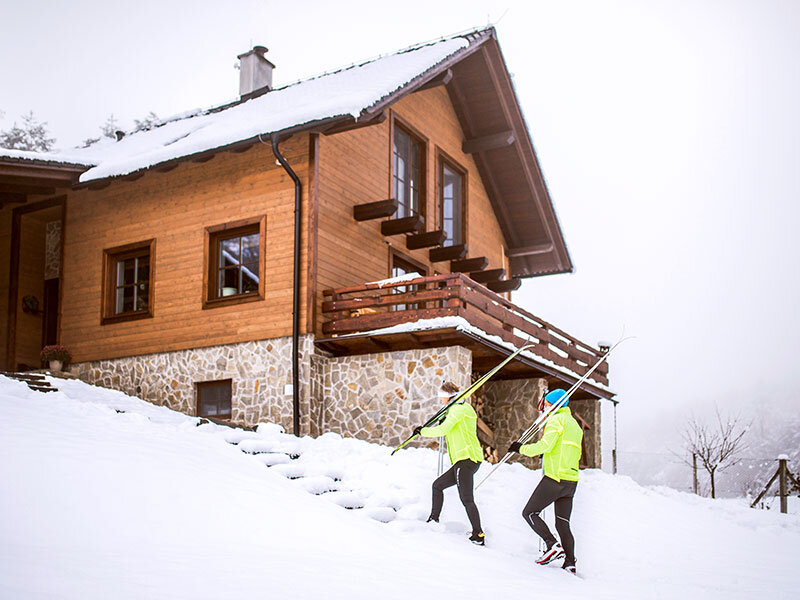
x: 220, y: 263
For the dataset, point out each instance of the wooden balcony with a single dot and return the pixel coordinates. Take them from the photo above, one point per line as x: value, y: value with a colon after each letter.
x: 358, y: 318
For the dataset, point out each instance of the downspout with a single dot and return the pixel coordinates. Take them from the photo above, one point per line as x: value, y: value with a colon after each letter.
x: 295, y: 286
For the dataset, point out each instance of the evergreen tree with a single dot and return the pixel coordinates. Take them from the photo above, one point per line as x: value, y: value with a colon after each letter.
x: 150, y: 121
x: 31, y: 135
x: 109, y: 129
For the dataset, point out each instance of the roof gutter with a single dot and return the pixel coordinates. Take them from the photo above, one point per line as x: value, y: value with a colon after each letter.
x: 316, y: 126
x: 295, y: 285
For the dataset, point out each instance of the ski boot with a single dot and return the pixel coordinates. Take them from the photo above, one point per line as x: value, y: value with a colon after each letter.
x: 554, y: 552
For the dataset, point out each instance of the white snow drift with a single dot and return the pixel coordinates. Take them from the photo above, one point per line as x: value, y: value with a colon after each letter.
x: 143, y: 503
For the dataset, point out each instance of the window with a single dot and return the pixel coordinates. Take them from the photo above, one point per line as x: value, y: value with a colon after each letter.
x: 451, y: 203
x: 408, y: 173
x: 128, y: 282
x: 214, y: 399
x: 401, y: 266
x: 235, y: 262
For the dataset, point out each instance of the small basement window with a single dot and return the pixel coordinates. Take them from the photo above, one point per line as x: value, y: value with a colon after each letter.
x: 128, y: 282
x: 214, y: 399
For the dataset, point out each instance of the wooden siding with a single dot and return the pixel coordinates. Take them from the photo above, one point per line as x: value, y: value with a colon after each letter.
x: 354, y: 168
x: 5, y: 256
x: 175, y: 208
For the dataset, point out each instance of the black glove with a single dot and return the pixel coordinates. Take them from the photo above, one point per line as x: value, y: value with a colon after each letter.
x: 418, y: 430
x: 514, y: 447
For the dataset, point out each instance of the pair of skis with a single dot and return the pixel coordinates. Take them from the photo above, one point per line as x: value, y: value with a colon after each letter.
x: 541, y: 420
x: 462, y: 396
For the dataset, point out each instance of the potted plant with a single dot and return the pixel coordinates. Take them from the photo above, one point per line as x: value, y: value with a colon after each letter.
x: 55, y: 356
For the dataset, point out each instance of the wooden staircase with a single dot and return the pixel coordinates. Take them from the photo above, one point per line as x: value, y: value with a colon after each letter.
x: 34, y: 381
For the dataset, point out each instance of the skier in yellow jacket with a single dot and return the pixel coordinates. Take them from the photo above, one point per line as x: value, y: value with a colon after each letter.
x: 560, y: 448
x: 464, y: 450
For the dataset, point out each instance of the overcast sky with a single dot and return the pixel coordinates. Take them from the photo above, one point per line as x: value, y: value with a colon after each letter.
x: 668, y: 133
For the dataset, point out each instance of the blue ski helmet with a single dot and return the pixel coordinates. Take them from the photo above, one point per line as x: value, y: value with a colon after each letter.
x: 556, y: 395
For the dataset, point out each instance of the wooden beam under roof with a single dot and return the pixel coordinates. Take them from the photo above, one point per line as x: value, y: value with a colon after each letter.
x: 426, y: 240
x: 487, y: 275
x: 412, y: 224
x: 506, y: 285
x: 443, y: 79
x: 375, y: 210
x: 488, y: 142
x: 238, y: 149
x: 479, y: 263
x: 454, y: 252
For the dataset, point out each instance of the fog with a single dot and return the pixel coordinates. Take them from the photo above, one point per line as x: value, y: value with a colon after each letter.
x: 667, y: 132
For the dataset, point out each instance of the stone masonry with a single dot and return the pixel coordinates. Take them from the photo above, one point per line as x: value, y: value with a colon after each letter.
x: 382, y: 397
x: 259, y: 371
x: 377, y: 397
x: 509, y: 409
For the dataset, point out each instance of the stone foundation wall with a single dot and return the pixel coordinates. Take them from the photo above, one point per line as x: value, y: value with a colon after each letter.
x: 509, y: 409
x: 259, y: 371
x: 589, y: 410
x: 374, y: 397
x: 382, y: 397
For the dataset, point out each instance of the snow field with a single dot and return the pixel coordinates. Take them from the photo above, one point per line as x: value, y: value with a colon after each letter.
x: 144, y: 503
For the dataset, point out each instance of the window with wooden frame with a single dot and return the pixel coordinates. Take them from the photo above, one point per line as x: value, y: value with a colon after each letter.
x: 451, y: 202
x: 408, y: 171
x: 403, y: 266
x: 128, y: 282
x: 235, y: 262
x: 214, y: 399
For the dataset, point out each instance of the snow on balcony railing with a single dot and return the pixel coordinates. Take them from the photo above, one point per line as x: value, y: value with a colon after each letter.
x: 390, y: 303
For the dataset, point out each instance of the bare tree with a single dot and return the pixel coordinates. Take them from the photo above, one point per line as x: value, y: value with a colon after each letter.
x: 716, y: 445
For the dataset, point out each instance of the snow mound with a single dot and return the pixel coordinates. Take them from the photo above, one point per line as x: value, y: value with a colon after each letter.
x: 150, y: 503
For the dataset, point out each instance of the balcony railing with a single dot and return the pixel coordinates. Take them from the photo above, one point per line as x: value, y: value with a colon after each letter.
x: 374, y: 306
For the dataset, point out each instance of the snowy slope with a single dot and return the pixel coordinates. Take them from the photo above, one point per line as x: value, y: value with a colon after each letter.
x: 143, y: 503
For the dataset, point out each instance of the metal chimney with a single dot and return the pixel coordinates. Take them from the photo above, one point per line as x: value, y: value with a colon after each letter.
x: 255, y: 73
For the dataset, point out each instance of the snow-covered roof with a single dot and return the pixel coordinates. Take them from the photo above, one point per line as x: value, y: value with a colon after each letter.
x: 347, y: 92
x: 69, y: 157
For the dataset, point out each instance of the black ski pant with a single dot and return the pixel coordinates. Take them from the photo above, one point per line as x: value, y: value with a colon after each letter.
x: 549, y: 491
x: 461, y: 475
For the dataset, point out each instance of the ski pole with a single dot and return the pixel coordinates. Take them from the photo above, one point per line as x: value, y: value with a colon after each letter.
x: 546, y: 414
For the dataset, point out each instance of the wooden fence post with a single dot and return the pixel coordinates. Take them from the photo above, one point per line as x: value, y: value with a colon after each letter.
x: 783, y: 483
x: 695, y: 485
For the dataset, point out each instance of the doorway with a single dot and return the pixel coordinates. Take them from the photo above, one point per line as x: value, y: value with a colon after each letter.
x: 34, y: 282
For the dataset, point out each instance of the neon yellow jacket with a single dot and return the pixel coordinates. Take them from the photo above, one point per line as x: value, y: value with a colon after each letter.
x: 459, y: 428
x: 560, y: 446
